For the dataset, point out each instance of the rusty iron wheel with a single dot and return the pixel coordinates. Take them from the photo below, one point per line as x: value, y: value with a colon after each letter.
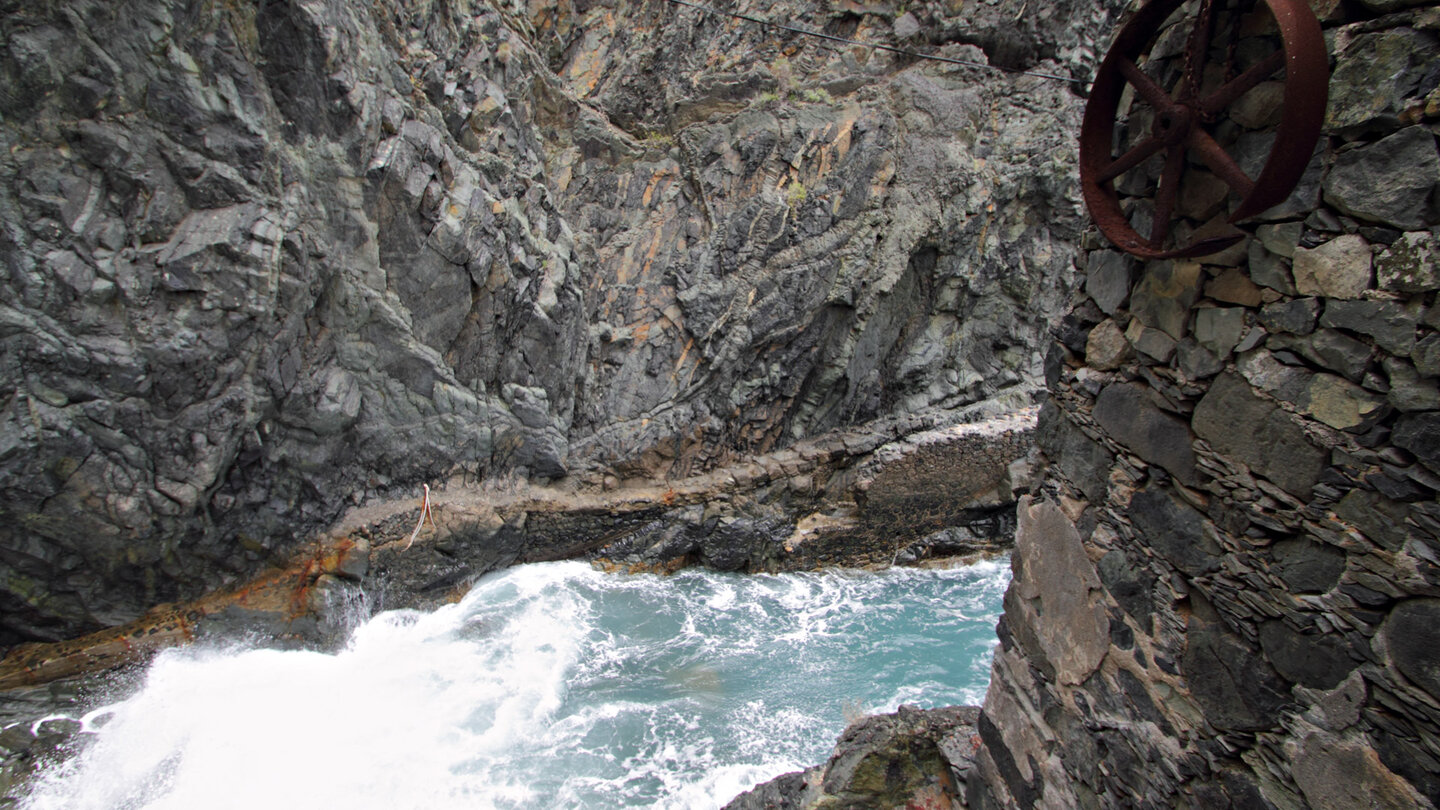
x: 1181, y: 115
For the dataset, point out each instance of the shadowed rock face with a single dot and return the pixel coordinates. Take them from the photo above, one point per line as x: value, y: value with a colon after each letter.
x: 265, y: 260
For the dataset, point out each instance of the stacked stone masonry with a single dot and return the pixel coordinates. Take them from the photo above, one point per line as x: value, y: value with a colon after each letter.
x: 1227, y: 580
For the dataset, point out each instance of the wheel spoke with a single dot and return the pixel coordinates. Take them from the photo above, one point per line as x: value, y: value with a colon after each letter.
x: 1166, y: 193
x: 1131, y: 159
x: 1220, y: 162
x: 1242, y: 84
x: 1144, y: 85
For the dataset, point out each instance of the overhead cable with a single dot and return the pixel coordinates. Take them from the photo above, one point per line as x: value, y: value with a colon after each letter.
x: 872, y: 45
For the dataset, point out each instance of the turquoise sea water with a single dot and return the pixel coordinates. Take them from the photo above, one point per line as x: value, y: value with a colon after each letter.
x: 548, y: 686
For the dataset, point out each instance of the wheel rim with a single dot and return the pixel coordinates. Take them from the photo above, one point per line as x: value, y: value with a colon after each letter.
x: 1181, y: 115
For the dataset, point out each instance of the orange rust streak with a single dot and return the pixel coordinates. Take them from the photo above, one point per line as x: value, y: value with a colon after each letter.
x: 650, y: 254
x: 168, y: 626
x: 650, y: 188
x: 679, y: 364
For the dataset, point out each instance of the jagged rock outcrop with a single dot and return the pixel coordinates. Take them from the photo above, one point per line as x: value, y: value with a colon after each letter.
x: 1226, y: 580
x: 913, y: 758
x: 263, y: 261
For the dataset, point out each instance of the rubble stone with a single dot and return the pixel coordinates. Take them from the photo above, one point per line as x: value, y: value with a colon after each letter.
x: 1340, y: 268
x: 1390, y: 181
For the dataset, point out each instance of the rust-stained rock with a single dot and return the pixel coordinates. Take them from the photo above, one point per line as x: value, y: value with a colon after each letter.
x: 279, y: 601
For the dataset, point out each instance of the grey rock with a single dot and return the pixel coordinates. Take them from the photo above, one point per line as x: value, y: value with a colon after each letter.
x: 1408, y: 392
x: 1412, y: 634
x: 886, y: 760
x: 1390, y: 181
x: 1196, y: 361
x: 1164, y: 295
x: 736, y: 545
x: 292, y: 261
x: 1419, y: 433
x: 1106, y: 347
x: 1130, y: 584
x: 1379, y: 75
x: 1333, y: 400
x: 1339, y: 709
x: 1280, y: 238
x: 1202, y: 195
x: 1261, y: 107
x: 1398, y: 485
x: 1284, y: 382
x: 1238, y: 423
x: 1339, y: 268
x: 1151, y: 342
x: 1329, y: 349
x: 1254, y: 336
x: 1219, y: 329
x: 1405, y: 756
x: 1426, y: 355
x: 1381, y: 519
x: 905, y: 26
x: 889, y: 760
x: 1307, y: 566
x: 1056, y: 580
x: 1108, y: 277
x: 1176, y: 531
x: 784, y: 792
x: 1297, y: 316
x: 1409, y: 264
x: 1389, y: 322
x: 1317, y: 660
x: 1306, y: 195
x: 1269, y: 270
x: 1082, y: 460
x: 1335, y: 773
x: 1127, y: 414
x: 1230, y: 680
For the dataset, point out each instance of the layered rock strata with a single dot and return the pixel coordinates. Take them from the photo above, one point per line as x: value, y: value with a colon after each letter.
x: 828, y: 502
x: 1227, y: 583
x: 266, y: 261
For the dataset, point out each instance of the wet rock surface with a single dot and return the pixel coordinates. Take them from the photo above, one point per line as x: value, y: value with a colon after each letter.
x: 912, y: 758
x: 960, y: 478
x: 954, y: 486
x: 264, y: 262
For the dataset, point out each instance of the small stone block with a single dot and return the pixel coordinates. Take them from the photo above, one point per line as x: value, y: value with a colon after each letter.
x: 1339, y: 268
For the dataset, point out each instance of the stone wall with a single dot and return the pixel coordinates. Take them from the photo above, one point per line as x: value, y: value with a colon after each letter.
x: 1227, y: 585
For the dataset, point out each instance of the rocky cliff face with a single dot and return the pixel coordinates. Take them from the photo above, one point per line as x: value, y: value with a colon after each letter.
x: 1227, y: 586
x: 265, y: 260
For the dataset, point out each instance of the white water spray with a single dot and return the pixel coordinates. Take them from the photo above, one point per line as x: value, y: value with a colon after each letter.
x: 548, y: 686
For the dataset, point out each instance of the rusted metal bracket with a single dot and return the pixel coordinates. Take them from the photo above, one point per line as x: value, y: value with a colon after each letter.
x: 1182, y: 114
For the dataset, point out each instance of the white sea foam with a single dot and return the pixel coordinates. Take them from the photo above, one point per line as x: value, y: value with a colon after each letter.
x: 547, y: 686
